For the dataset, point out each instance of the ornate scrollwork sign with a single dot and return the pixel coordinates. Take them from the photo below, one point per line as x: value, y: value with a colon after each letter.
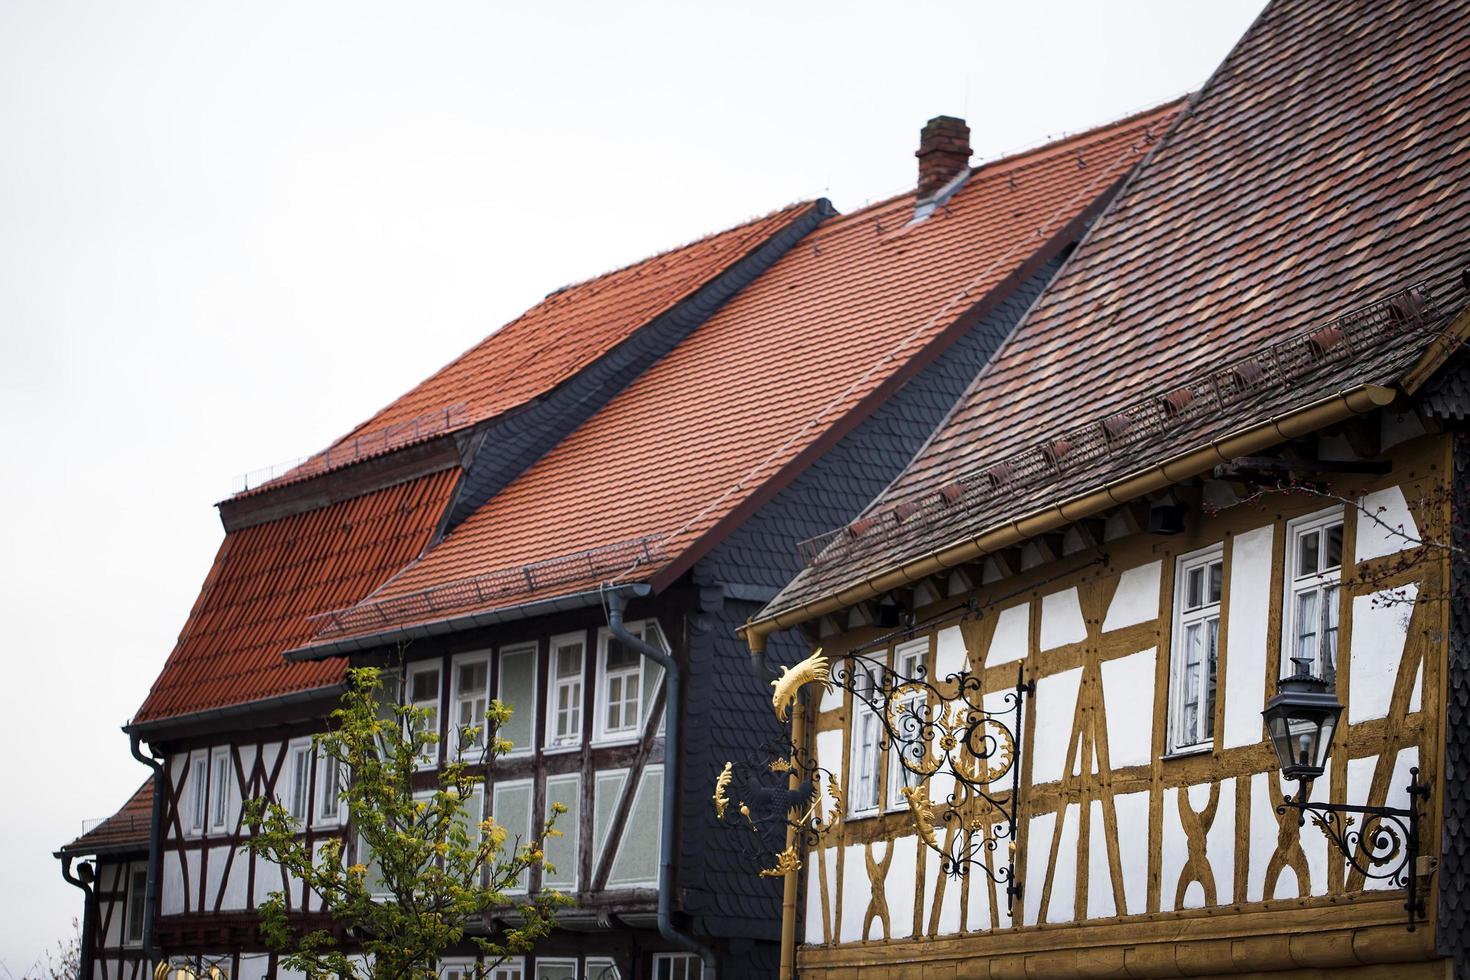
x: 957, y: 748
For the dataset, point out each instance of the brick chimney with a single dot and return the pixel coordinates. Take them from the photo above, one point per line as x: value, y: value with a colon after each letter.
x: 944, y: 151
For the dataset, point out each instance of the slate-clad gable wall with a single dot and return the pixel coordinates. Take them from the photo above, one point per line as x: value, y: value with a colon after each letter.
x: 509, y: 445
x: 1453, y: 937
x: 728, y: 708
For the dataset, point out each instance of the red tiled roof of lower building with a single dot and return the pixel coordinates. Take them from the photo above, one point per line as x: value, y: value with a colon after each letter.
x: 1324, y: 167
x: 813, y: 345
x: 543, y: 347
x: 127, y: 828
x: 267, y: 581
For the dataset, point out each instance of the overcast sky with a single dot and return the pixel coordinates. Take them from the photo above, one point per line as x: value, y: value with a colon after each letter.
x: 230, y: 231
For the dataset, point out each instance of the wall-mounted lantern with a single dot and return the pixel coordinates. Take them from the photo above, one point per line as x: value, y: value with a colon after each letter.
x: 1301, y: 720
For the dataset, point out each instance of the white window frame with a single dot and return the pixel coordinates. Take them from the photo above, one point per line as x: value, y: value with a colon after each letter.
x: 526, y: 649
x: 512, y: 833
x: 596, y: 967
x: 135, y: 897
x: 905, y: 657
x: 545, y: 963
x: 1177, y: 742
x: 429, y: 758
x: 622, y: 735
x: 555, y: 683
x: 221, y: 790
x: 862, y: 753
x: 464, y: 968
x: 512, y: 968
x: 299, y: 753
x: 328, y: 795
x: 1325, y: 583
x: 688, y: 961
x: 457, y: 700
x: 196, y: 781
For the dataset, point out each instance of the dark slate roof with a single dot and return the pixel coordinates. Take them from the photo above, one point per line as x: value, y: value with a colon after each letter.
x: 1322, y: 168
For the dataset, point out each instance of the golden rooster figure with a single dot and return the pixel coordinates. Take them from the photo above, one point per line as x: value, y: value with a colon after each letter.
x: 793, y: 679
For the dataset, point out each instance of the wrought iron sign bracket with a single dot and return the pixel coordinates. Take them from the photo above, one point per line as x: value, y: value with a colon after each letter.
x: 1383, y: 847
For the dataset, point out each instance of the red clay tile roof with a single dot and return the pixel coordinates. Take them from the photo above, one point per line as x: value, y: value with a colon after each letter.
x: 545, y: 346
x: 125, y: 830
x: 1326, y: 165
x: 269, y: 578
x: 811, y: 346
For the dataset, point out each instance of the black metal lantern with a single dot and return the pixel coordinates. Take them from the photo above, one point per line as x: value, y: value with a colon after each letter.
x: 1301, y: 719
x: 1381, y: 842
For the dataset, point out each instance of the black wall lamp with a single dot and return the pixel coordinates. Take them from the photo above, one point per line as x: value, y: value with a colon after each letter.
x: 1301, y: 720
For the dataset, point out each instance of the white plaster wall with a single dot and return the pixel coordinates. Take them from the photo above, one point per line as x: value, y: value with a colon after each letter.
x: 1174, y: 851
x: 215, y: 875
x: 1360, y: 783
x: 1263, y: 834
x: 855, y: 895
x: 1061, y: 619
x: 829, y: 746
x: 1055, y: 705
x: 1376, y: 540
x: 1220, y: 844
x: 171, y: 897
x: 814, y: 925
x: 253, y: 966
x: 268, y: 878
x: 237, y: 885
x: 1245, y: 644
x: 1132, y: 811
x: 1012, y: 636
x: 192, y: 862
x: 1128, y: 696
x: 949, y: 653
x: 1101, y: 901
x: 1063, y: 904
x: 1137, y: 598
x: 1037, y: 855
x: 1379, y: 633
x: 899, y: 885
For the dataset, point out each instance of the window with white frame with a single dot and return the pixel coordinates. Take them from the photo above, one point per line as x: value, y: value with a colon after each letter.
x: 865, y: 763
x: 471, y: 702
x: 910, y: 662
x: 564, y: 717
x: 1194, y: 655
x: 137, y: 898
x: 510, y: 969
x: 198, y: 787
x: 601, y: 968
x: 555, y: 969
x: 677, y: 966
x: 297, y: 796
x: 1313, y: 572
x: 457, y: 970
x: 328, y: 789
x: 423, y: 694
x: 221, y: 781
x: 623, y: 676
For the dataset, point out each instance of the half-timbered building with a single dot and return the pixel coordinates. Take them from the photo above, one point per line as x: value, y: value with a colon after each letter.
x: 574, y: 517
x: 1226, y: 449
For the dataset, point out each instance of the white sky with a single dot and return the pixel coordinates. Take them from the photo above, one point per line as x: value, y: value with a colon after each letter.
x: 228, y: 232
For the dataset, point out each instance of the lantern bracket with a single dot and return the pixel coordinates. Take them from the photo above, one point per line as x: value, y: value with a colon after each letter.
x: 1384, y: 846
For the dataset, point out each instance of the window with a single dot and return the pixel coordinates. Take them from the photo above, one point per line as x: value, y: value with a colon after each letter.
x: 471, y: 702
x: 221, y: 780
x: 625, y: 680
x: 137, y: 905
x: 557, y: 969
x: 512, y: 969
x: 510, y: 805
x: 1194, y: 657
x: 198, y: 780
x: 677, y: 966
x: 866, y: 743
x: 456, y: 969
x: 601, y: 968
x: 910, y: 662
x: 423, y: 693
x: 298, y: 780
x: 517, y: 691
x: 328, y: 789
x: 564, y: 726
x: 1313, y: 570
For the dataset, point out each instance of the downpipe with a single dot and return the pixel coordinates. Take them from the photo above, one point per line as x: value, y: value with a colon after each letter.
x: 155, y: 848
x: 83, y: 878
x: 616, y: 599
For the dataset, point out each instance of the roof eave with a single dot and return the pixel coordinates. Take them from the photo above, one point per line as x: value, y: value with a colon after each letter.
x: 153, y: 727
x: 440, y: 627
x: 1358, y: 400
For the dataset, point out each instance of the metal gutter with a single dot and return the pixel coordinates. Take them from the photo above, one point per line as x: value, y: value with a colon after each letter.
x: 89, y: 910
x: 617, y: 603
x: 155, y: 846
x: 418, y: 631
x: 1341, y: 405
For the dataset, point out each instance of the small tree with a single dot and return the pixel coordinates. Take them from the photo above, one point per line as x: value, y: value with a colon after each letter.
x: 63, y: 962
x: 426, y: 868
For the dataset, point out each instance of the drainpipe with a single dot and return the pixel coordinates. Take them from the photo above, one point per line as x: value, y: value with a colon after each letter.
x: 155, y: 849
x: 83, y: 879
x: 616, y: 604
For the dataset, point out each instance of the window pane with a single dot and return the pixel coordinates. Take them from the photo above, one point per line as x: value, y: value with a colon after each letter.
x: 1334, y: 547
x: 1217, y: 571
x: 1212, y: 642
x: 619, y: 656
x: 518, y: 692
x: 1329, y: 630
x: 1306, y: 560
x: 472, y: 677
x: 569, y: 660
x: 1195, y: 591
x: 1306, y: 628
x: 425, y: 686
